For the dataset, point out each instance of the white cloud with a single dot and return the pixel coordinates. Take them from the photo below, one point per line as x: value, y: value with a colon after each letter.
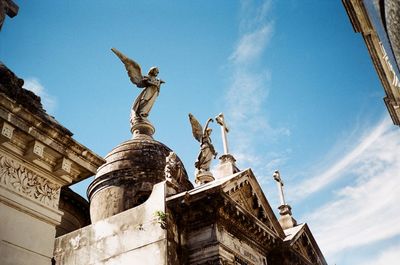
x: 277, y: 160
x: 246, y: 95
x: 48, y: 101
x: 252, y: 44
x: 250, y: 84
x: 320, y: 181
x: 386, y: 257
x: 253, y: 15
x: 366, y: 210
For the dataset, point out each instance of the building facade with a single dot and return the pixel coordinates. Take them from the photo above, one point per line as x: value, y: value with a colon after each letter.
x: 143, y: 208
x: 139, y: 213
x: 378, y: 21
x: 38, y: 157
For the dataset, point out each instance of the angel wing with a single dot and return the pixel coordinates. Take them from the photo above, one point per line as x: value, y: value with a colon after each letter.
x: 197, y: 130
x: 133, y: 68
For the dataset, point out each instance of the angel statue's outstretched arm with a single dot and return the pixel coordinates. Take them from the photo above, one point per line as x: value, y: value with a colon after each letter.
x: 206, y: 127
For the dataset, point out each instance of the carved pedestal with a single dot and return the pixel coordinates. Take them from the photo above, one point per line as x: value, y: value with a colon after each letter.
x: 203, y: 177
x: 286, y: 220
x: 141, y: 126
x: 226, y: 166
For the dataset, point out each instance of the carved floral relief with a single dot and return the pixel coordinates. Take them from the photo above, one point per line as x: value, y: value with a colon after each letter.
x: 24, y: 181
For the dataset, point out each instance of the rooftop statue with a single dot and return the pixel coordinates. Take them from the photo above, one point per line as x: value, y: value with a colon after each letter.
x: 207, y: 151
x: 173, y: 168
x: 150, y: 84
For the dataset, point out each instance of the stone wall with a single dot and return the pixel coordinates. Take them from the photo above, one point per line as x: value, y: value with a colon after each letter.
x: 135, y: 236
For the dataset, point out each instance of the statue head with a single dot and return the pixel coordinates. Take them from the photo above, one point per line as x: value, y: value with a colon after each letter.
x: 208, y: 131
x: 153, y: 71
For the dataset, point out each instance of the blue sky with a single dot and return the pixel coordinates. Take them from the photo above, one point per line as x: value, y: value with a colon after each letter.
x: 295, y: 83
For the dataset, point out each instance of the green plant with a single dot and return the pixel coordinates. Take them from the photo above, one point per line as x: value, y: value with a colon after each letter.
x: 161, y: 218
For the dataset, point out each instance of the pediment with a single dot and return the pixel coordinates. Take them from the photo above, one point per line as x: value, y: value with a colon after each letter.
x: 246, y: 192
x: 303, y: 243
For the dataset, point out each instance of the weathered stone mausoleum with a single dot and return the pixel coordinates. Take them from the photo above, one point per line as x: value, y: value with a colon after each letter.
x: 138, y: 215
x: 143, y: 208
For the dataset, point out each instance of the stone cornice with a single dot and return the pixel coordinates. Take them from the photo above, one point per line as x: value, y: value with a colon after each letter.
x: 235, y: 217
x: 45, y: 143
x: 361, y: 23
x: 245, y: 178
x: 305, y: 245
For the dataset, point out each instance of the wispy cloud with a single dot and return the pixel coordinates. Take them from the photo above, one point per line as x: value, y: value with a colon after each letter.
x: 48, y: 101
x: 334, y: 172
x: 250, y: 85
x: 252, y: 15
x: 246, y: 96
x: 365, y: 210
x: 388, y: 256
x: 252, y: 44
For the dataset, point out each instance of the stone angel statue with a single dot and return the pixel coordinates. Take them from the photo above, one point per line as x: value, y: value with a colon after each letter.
x: 150, y: 84
x: 173, y: 168
x: 207, y: 151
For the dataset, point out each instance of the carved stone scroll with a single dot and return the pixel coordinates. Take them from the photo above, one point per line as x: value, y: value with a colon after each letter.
x: 18, y: 178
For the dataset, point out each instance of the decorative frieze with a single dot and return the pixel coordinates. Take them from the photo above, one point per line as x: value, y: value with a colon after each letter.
x: 244, y: 194
x: 304, y: 247
x: 238, y: 222
x: 20, y: 179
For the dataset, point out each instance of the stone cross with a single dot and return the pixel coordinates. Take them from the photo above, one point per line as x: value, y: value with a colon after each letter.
x: 7, y: 7
x: 279, y: 182
x: 224, y: 130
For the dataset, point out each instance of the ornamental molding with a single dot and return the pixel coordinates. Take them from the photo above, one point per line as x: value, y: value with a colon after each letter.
x: 20, y: 179
x: 236, y: 221
x: 304, y: 248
